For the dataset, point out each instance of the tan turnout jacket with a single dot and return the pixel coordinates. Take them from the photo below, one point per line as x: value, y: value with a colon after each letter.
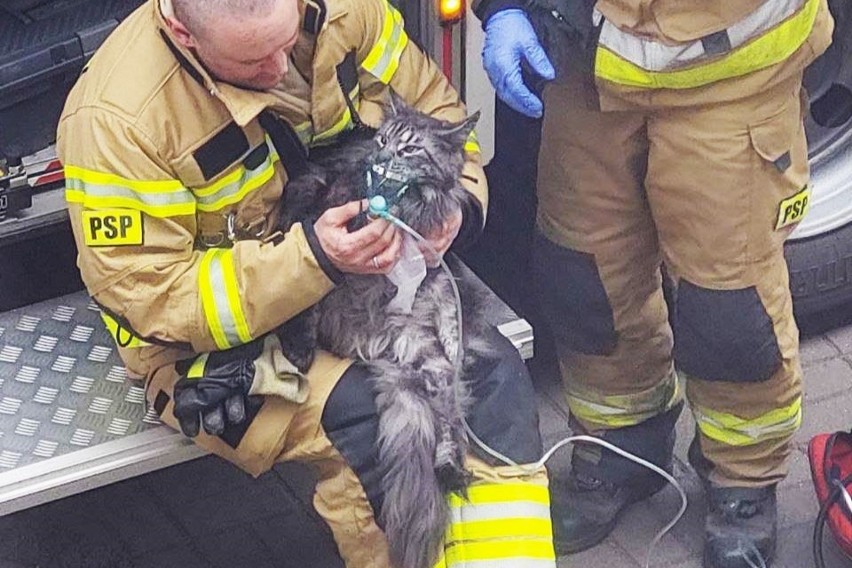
x: 173, y: 183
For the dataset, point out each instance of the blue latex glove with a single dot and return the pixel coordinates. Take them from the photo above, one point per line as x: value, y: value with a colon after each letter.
x: 509, y: 39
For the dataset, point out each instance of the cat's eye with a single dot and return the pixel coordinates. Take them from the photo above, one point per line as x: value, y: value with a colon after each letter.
x: 408, y: 150
x: 381, y: 140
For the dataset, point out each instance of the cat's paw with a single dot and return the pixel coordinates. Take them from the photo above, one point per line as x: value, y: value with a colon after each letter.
x: 298, y: 339
x: 301, y: 358
x: 453, y: 478
x: 449, y: 467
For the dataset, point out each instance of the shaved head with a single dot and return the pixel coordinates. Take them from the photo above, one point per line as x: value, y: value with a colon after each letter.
x: 243, y: 42
x: 197, y: 15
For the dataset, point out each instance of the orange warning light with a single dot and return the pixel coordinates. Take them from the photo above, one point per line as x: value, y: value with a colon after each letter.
x: 450, y: 11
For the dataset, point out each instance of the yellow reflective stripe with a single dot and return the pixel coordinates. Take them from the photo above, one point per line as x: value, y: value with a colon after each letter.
x: 236, y: 185
x: 735, y: 431
x: 158, y: 198
x: 653, y: 55
x: 344, y: 122
x: 769, y: 49
x: 500, y: 525
x: 514, y: 562
x: 499, y: 550
x: 305, y: 132
x: 208, y: 300
x: 383, y: 59
x: 196, y: 370
x: 121, y: 336
x: 501, y: 493
x: 101, y: 178
x: 472, y: 143
x: 506, y: 527
x: 619, y: 411
x: 220, y: 299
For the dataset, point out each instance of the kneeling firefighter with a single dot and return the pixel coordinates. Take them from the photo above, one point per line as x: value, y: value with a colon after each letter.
x: 672, y: 134
x: 177, y: 141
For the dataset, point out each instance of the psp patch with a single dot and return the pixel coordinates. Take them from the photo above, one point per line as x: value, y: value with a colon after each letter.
x: 793, y: 208
x: 112, y: 227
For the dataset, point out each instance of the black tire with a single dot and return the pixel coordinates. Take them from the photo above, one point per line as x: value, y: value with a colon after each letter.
x: 821, y: 271
x: 820, y: 264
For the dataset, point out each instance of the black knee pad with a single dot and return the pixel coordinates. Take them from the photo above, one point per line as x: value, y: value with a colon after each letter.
x: 504, y: 413
x: 351, y: 422
x: 723, y: 335
x: 652, y: 440
x: 573, y: 298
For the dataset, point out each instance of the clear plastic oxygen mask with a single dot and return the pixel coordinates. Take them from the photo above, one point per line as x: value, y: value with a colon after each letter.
x: 409, y: 271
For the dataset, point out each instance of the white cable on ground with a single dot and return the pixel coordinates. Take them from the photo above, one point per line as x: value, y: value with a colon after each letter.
x: 746, y: 552
x: 613, y: 448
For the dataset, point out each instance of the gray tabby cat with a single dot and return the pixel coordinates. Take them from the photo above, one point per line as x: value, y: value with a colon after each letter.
x: 415, y: 162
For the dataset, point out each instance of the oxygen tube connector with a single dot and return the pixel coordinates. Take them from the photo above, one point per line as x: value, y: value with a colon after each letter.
x: 378, y: 207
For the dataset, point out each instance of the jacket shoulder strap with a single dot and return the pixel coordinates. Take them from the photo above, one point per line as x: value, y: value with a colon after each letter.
x: 315, y: 12
x: 291, y: 151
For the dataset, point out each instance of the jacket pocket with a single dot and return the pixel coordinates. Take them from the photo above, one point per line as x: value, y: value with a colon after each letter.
x: 778, y: 185
x: 772, y: 138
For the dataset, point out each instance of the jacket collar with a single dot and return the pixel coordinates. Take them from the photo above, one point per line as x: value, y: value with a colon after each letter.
x: 243, y: 104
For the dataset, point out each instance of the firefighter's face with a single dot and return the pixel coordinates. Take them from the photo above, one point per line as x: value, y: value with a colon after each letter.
x: 251, y: 52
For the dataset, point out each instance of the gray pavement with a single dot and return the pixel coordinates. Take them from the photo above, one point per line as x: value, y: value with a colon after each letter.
x: 827, y: 364
x: 207, y: 513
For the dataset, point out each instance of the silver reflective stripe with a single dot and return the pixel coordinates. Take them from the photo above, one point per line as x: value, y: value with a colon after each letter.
x: 505, y: 510
x: 383, y: 59
x: 655, y: 56
x: 220, y: 297
x: 150, y: 199
x: 735, y: 431
x: 619, y: 411
x: 240, y: 182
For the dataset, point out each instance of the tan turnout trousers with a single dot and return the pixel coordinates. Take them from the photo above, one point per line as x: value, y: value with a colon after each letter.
x: 511, y: 500
x: 708, y: 182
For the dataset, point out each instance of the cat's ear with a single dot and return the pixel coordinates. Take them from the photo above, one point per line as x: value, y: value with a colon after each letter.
x: 464, y: 128
x: 396, y: 105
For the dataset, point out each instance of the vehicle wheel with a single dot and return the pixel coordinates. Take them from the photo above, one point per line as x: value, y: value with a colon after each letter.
x: 819, y: 252
x: 821, y: 270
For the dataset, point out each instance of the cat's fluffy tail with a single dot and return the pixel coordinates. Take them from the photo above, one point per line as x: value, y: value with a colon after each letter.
x: 415, y: 511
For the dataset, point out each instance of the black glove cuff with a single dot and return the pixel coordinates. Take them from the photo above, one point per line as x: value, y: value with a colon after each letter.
x: 471, y: 227
x: 488, y: 8
x: 330, y: 270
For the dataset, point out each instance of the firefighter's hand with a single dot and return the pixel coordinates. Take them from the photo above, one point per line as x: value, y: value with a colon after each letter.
x: 442, y: 239
x: 509, y: 40
x: 372, y: 249
x: 222, y: 387
x: 213, y: 391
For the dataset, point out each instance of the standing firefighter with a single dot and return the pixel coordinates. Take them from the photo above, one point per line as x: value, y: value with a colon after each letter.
x: 177, y: 142
x: 673, y: 133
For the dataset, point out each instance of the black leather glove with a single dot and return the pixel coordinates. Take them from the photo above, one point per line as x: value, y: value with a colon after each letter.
x: 213, y: 389
x: 222, y: 387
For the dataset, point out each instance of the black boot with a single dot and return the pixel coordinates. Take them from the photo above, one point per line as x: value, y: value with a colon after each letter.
x: 741, y: 524
x: 585, y: 509
x: 740, y: 529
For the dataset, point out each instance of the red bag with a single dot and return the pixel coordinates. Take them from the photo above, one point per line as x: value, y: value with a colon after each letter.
x: 830, y: 456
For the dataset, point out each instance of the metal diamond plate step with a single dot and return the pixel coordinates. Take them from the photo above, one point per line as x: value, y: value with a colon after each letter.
x: 70, y: 420
x: 62, y: 385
